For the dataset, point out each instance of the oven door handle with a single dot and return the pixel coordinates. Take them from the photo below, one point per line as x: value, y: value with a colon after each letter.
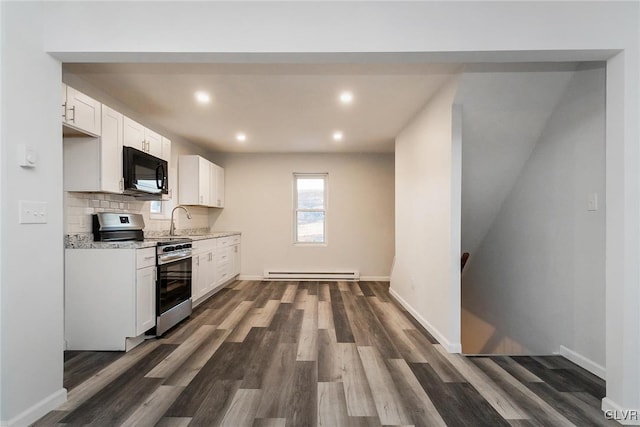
x: 164, y: 259
x: 160, y: 177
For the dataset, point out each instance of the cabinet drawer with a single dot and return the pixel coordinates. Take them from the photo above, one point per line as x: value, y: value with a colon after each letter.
x: 145, y: 257
x: 223, y: 257
x: 235, y: 240
x: 223, y: 276
x: 223, y: 242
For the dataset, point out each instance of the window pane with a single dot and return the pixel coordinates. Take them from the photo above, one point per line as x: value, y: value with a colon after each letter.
x: 155, y: 207
x: 310, y: 227
x: 310, y: 193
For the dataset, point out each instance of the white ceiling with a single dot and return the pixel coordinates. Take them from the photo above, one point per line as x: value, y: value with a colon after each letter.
x: 280, y: 107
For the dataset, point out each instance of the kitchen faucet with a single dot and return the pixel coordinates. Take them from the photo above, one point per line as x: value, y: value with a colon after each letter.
x: 172, y: 228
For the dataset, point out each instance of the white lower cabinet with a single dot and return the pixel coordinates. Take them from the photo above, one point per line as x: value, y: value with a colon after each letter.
x: 214, y: 265
x: 145, y: 299
x: 204, y: 273
x: 110, y: 297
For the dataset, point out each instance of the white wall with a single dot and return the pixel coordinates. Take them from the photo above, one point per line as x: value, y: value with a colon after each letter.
x: 31, y: 276
x: 451, y: 31
x: 537, y: 280
x: 259, y: 203
x: 422, y: 273
x: 505, y: 109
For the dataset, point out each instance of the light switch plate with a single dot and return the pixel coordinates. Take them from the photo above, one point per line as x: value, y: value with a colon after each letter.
x: 32, y: 212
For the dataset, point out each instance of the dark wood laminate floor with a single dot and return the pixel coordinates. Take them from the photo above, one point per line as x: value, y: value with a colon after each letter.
x: 315, y: 353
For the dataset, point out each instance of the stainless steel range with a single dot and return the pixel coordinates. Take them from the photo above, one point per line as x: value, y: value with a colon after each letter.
x: 173, y: 285
x: 173, y: 261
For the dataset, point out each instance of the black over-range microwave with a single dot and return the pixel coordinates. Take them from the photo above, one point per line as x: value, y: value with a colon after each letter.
x: 145, y: 176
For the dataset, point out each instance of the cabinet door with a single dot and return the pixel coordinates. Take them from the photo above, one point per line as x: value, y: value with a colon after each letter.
x: 235, y: 260
x: 204, y: 178
x: 211, y: 268
x: 134, y: 135
x: 83, y: 112
x: 145, y: 299
x: 153, y: 142
x: 111, y: 151
x: 166, y: 150
x: 216, y: 180
x: 219, y: 186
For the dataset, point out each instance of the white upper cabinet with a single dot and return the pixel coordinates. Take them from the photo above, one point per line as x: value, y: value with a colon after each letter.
x: 144, y: 139
x: 166, y: 150
x: 216, y: 182
x: 193, y: 180
x: 95, y: 163
x: 134, y: 135
x: 198, y: 182
x: 80, y: 112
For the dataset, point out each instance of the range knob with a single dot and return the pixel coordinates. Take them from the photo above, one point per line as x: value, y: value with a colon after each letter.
x: 168, y: 249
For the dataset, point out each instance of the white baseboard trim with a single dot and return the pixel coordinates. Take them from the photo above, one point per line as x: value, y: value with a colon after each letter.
x: 38, y: 410
x: 624, y: 416
x: 249, y: 277
x: 449, y: 346
x: 583, y: 362
x: 362, y: 278
x: 375, y: 279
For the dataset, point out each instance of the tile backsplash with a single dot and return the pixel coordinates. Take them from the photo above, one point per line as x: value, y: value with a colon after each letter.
x: 81, y: 206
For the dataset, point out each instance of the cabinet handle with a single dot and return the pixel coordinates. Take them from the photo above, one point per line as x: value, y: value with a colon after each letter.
x: 64, y: 114
x: 121, y: 183
x: 149, y: 257
x: 73, y: 119
x: 197, y: 260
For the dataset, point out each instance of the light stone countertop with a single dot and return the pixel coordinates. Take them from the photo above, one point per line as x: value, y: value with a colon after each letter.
x: 85, y: 240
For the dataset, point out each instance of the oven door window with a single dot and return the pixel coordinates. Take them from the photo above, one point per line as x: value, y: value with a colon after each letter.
x: 174, y: 284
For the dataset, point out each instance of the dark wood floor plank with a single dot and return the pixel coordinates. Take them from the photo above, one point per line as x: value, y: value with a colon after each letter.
x: 571, y: 407
x: 302, y: 409
x: 215, y: 403
x: 265, y: 294
x: 221, y: 366
x: 328, y: 362
x: 278, y: 378
x: 154, y: 407
x: 366, y: 289
x: 445, y: 370
x: 340, y: 319
x: 537, y: 408
x: 110, y: 406
x: 421, y: 409
x: 279, y: 289
x: 260, y: 358
x: 84, y: 364
x: 198, y: 359
x: 459, y: 404
x: 379, y: 335
x: 560, y: 378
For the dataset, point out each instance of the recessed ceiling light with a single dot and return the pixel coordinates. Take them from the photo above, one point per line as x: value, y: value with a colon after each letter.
x: 337, y: 136
x: 346, y: 97
x: 202, y: 97
x: 241, y: 137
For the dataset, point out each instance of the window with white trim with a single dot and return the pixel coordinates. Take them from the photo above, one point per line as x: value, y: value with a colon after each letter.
x: 310, y: 208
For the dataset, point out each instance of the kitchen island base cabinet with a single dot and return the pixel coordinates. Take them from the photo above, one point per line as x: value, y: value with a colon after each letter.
x: 110, y: 298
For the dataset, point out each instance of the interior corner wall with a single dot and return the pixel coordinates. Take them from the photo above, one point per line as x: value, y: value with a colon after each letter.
x: 422, y: 275
x: 537, y: 281
x: 31, y: 327
x: 360, y: 216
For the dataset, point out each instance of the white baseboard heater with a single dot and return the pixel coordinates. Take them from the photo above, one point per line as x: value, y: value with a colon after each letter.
x: 311, y: 275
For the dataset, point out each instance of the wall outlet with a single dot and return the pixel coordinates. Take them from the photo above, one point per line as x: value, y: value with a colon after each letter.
x: 32, y: 212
